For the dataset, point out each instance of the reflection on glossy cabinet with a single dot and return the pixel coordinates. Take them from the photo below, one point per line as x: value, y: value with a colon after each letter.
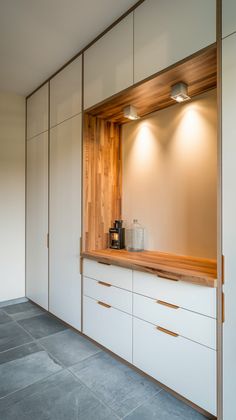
x: 228, y: 17
x: 167, y: 31
x: 66, y: 93
x: 65, y: 221
x: 37, y: 220
x: 229, y: 225
x: 37, y: 112
x: 108, y: 64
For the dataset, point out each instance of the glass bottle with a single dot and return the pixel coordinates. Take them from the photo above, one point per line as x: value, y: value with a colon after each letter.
x: 135, y: 237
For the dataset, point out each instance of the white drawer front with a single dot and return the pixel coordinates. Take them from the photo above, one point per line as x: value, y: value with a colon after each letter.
x: 184, y: 366
x: 109, y: 327
x: 188, y: 324
x: 117, y: 276
x: 117, y: 298
x: 186, y: 295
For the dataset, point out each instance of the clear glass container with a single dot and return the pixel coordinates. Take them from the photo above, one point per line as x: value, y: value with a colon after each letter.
x: 134, y: 238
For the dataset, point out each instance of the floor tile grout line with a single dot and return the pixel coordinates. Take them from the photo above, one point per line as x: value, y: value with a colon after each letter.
x: 46, y: 336
x: 143, y: 403
x: 93, y: 393
x: 16, y: 347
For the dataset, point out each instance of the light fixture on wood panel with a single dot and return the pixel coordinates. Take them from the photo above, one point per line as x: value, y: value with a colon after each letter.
x: 130, y: 112
x: 179, y: 92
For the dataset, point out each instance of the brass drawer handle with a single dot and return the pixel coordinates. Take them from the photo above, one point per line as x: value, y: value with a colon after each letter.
x: 104, y: 263
x: 104, y: 304
x: 167, y: 331
x: 169, y: 305
x: 104, y: 284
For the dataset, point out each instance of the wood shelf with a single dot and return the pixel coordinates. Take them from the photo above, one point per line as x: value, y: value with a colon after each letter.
x: 175, y: 267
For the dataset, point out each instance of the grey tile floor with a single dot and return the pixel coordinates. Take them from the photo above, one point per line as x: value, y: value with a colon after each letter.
x: 49, y: 372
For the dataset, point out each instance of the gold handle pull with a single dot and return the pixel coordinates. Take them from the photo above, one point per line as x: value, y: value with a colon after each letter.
x: 167, y: 332
x: 104, y: 304
x: 104, y: 263
x: 169, y: 305
x: 167, y: 277
x: 104, y: 284
x: 223, y: 307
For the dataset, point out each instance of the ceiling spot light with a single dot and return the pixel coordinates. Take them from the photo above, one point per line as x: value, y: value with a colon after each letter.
x: 179, y: 92
x: 130, y: 112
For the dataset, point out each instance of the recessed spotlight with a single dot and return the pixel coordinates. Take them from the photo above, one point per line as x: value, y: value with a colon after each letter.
x: 130, y: 112
x: 179, y: 92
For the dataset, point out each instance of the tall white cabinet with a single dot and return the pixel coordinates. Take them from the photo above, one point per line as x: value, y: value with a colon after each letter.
x: 37, y: 198
x: 229, y: 205
x: 65, y: 195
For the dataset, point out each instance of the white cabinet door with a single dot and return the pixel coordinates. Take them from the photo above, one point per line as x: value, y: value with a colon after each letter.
x: 166, y: 31
x: 37, y: 112
x: 108, y: 64
x: 228, y: 17
x: 229, y: 225
x: 117, y: 276
x: 108, y: 326
x: 184, y: 366
x: 37, y: 220
x: 66, y: 93
x: 65, y: 221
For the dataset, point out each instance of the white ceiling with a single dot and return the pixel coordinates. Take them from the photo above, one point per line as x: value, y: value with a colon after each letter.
x: 39, y: 36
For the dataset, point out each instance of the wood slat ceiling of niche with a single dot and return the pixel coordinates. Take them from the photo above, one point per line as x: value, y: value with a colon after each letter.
x: 199, y: 72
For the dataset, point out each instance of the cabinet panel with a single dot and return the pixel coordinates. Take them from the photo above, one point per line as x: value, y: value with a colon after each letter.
x: 66, y: 93
x: 184, y: 366
x: 109, y: 327
x: 167, y: 31
x: 186, y: 295
x: 37, y: 112
x: 188, y: 324
x: 108, y: 64
x: 228, y: 17
x: 229, y: 225
x: 37, y: 220
x: 117, y: 276
x: 65, y: 221
x: 117, y: 298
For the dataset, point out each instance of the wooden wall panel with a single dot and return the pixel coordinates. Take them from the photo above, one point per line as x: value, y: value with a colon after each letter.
x: 101, y: 180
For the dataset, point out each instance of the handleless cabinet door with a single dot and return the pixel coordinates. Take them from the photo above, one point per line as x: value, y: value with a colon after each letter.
x: 66, y: 93
x: 37, y: 112
x: 166, y: 31
x: 65, y: 221
x: 229, y: 225
x: 37, y: 220
x: 228, y: 17
x: 108, y: 64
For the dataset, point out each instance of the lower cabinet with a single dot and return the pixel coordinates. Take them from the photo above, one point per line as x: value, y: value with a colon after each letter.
x: 181, y: 364
x: 108, y: 326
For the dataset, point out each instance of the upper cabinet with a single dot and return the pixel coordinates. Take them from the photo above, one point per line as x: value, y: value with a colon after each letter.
x: 66, y: 93
x: 37, y: 112
x: 167, y: 31
x: 228, y: 17
x: 108, y: 64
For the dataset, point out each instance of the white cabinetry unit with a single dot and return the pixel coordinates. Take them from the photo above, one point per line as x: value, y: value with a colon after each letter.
x: 117, y: 276
x: 37, y: 220
x: 183, y: 365
x: 37, y: 112
x: 65, y: 221
x: 229, y: 225
x: 167, y: 31
x: 66, y: 93
x: 228, y: 17
x: 108, y: 64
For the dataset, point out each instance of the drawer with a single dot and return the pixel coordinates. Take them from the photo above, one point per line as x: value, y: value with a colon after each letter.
x: 184, y: 366
x: 117, y: 276
x: 105, y: 292
x: 109, y: 327
x: 188, y: 324
x: 186, y: 295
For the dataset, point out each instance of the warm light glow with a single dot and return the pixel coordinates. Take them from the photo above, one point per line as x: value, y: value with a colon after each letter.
x: 179, y: 98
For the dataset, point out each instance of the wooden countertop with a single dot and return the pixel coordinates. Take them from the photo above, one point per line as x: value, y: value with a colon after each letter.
x: 176, y: 267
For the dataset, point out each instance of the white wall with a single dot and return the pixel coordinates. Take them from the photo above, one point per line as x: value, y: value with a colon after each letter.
x: 170, y: 164
x: 12, y: 196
